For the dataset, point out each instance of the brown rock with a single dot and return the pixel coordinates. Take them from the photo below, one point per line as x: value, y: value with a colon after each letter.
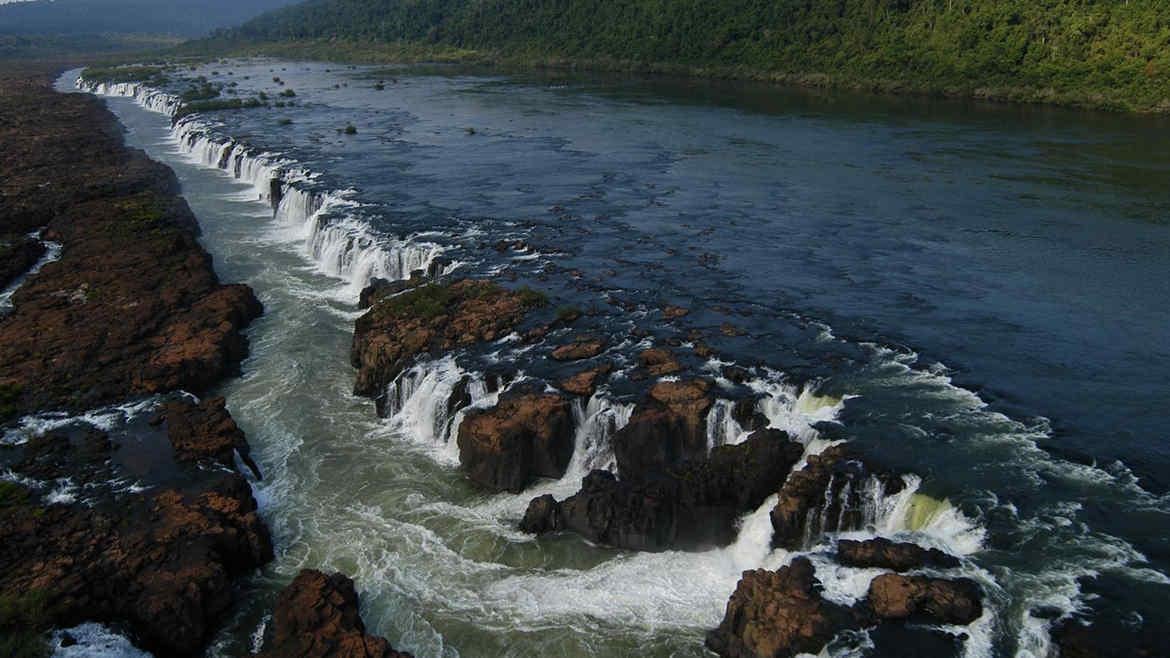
x: 777, y: 613
x: 523, y: 437
x: 584, y: 383
x: 728, y: 329
x: 434, y: 318
x: 317, y: 616
x: 671, y: 312
x: 885, y: 554
x: 206, y: 431
x: 824, y: 496
x: 582, y: 348
x: 896, y: 597
x: 659, y: 361
x: 668, y: 426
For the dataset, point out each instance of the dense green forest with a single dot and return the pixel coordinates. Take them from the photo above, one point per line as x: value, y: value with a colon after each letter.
x: 1105, y: 53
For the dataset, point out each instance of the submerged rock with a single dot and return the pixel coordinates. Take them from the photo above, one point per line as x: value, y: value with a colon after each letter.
x: 777, y: 613
x: 692, y: 505
x: 317, y: 616
x: 523, y: 437
x: 667, y: 427
x: 920, y: 598
x: 885, y: 554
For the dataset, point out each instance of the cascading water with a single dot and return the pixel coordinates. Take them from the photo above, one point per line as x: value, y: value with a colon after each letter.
x: 327, y: 222
x: 52, y: 253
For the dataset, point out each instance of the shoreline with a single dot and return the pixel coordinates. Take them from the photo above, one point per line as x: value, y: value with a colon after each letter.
x: 346, y: 52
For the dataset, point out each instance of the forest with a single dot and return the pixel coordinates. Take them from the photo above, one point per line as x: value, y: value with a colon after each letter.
x: 1113, y: 54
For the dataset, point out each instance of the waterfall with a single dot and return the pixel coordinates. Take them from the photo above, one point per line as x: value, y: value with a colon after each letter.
x: 329, y: 224
x: 795, y: 410
x: 427, y: 402
x: 722, y: 428
x: 596, y: 421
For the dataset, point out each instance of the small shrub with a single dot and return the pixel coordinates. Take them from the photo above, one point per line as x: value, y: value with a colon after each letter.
x: 568, y: 313
x: 530, y: 298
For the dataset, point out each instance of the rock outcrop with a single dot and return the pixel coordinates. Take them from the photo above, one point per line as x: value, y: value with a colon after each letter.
x: 692, y: 505
x: 132, y: 306
x: 659, y: 361
x: 432, y: 318
x: 521, y: 438
x: 897, y: 556
x: 919, y: 598
x: 667, y: 427
x: 206, y: 432
x: 584, y: 383
x: 825, y: 496
x: 317, y: 616
x: 581, y: 348
x: 778, y: 613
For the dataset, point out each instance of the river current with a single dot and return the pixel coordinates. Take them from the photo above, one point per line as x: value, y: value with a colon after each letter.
x: 973, y: 295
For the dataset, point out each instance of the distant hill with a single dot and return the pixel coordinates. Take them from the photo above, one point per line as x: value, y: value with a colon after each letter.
x: 1110, y: 53
x: 188, y: 18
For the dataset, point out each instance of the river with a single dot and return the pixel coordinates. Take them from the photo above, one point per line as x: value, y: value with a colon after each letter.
x: 976, y: 295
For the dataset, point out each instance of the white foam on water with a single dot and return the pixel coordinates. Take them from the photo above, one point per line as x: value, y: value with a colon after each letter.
x: 52, y: 253
x: 95, y: 641
x: 102, y: 418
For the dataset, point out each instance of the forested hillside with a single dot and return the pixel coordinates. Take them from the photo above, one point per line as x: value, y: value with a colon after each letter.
x: 1112, y: 53
x: 93, y: 17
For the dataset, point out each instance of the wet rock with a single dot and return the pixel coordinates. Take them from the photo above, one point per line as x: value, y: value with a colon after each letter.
x: 746, y: 412
x: 730, y: 330
x: 736, y: 374
x: 163, y: 563
x: 920, y: 598
x: 668, y: 426
x: 380, y: 288
x: 659, y: 362
x: 17, y: 256
x: 523, y: 437
x: 693, y: 505
x: 825, y: 496
x: 317, y: 616
x: 584, y: 383
x: 434, y: 318
x: 777, y: 613
x: 207, y: 432
x: 885, y: 554
x: 582, y: 348
x: 671, y: 312
x: 542, y: 516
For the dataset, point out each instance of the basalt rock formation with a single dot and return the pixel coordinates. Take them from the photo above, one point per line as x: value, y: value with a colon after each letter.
x: 825, y: 496
x: 584, y: 383
x: 582, y: 348
x: 433, y: 318
x: 691, y: 505
x: 317, y: 616
x: 133, y: 306
x: 897, y: 556
x: 919, y: 598
x: 161, y: 562
x: 523, y: 437
x: 667, y: 427
x: 777, y: 613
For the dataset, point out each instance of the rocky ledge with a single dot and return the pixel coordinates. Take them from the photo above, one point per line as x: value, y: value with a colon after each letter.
x: 144, y: 527
x: 523, y: 437
x: 432, y: 318
x: 317, y: 616
x: 132, y: 306
x: 158, y: 558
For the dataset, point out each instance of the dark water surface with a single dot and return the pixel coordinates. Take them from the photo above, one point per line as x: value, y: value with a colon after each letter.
x: 989, y: 283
